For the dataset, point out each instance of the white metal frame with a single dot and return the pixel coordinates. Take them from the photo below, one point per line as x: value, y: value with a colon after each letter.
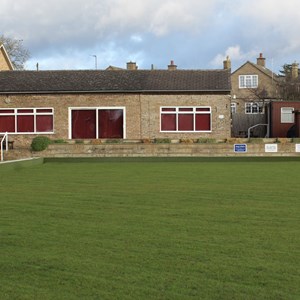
x: 287, y: 111
x: 97, y: 108
x: 194, y: 112
x: 251, y: 105
x: 233, y: 107
x: 34, y: 114
x: 251, y: 79
x: 4, y: 138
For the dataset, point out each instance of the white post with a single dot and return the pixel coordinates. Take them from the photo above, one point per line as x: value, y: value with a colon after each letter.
x: 6, y: 139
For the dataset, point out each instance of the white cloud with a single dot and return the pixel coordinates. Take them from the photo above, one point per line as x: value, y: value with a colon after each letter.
x: 272, y: 20
x: 235, y: 54
x: 136, y: 38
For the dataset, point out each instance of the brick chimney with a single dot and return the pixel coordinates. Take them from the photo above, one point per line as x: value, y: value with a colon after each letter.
x: 131, y: 66
x: 171, y: 66
x: 261, y: 61
x: 227, y: 63
x: 295, y: 70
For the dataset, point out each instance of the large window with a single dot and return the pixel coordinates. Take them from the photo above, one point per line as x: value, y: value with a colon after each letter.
x: 254, y: 108
x: 185, y: 119
x: 248, y: 81
x: 97, y: 123
x: 26, y: 120
x: 287, y: 115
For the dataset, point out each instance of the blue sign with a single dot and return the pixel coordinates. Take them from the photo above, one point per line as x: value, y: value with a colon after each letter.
x: 240, y: 148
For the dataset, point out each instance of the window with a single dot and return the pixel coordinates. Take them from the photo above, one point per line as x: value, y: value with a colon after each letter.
x: 254, y: 108
x: 97, y: 122
x: 233, y: 108
x: 248, y: 81
x: 287, y: 115
x: 185, y: 119
x: 26, y: 120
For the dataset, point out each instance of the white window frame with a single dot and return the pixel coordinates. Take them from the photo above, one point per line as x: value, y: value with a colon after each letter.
x: 97, y: 108
x: 287, y: 115
x: 35, y: 113
x: 233, y: 107
x: 193, y: 112
x: 248, y: 81
x: 254, y: 108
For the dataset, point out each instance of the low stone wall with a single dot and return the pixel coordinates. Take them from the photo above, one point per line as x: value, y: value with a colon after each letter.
x: 186, y: 148
x: 170, y: 150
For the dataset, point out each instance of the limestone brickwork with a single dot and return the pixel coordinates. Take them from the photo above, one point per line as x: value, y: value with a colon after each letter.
x: 265, y: 83
x: 268, y: 89
x: 142, y: 112
x: 5, y: 64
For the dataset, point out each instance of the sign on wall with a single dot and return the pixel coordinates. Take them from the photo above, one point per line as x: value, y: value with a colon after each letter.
x: 297, y: 148
x: 240, y: 148
x: 271, y: 147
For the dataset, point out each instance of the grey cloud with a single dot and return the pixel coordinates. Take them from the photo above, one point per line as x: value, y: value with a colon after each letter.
x: 192, y: 32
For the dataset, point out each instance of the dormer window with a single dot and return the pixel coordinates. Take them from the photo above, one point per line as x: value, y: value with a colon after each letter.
x: 248, y: 81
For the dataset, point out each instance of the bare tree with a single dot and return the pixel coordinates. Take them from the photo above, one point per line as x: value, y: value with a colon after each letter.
x: 18, y: 54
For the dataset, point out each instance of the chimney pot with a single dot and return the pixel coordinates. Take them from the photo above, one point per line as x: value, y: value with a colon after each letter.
x: 172, y: 66
x: 261, y: 61
x: 227, y: 63
x: 295, y: 70
x: 131, y: 66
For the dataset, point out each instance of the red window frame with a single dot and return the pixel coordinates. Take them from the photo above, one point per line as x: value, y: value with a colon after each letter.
x: 185, y: 119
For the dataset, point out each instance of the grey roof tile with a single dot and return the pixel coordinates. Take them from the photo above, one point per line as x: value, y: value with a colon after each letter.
x: 114, y: 81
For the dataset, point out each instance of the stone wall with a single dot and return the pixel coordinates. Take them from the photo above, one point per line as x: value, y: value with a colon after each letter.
x: 176, y: 148
x: 142, y: 112
x: 243, y: 95
x: 4, y: 64
x: 163, y: 150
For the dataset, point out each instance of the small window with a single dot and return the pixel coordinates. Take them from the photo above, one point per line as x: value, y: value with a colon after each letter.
x: 287, y: 115
x: 185, y: 109
x: 233, y: 108
x: 25, y: 111
x: 254, y: 108
x: 248, y: 81
x: 168, y: 109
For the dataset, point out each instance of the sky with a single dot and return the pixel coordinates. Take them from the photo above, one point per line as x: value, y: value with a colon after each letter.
x: 195, y: 34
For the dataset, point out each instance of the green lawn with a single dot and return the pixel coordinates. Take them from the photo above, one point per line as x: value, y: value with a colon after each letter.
x: 150, y: 230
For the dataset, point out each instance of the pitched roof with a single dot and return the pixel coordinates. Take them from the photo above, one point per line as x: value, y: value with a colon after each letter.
x: 113, y: 68
x: 6, y: 57
x: 112, y: 81
x: 264, y: 70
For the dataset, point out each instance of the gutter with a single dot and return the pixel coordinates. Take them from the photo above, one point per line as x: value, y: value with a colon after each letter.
x: 115, y: 91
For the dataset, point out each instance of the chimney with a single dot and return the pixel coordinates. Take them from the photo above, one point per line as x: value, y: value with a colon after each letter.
x: 261, y: 61
x: 131, y: 66
x: 227, y: 63
x: 171, y: 66
x: 295, y: 70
